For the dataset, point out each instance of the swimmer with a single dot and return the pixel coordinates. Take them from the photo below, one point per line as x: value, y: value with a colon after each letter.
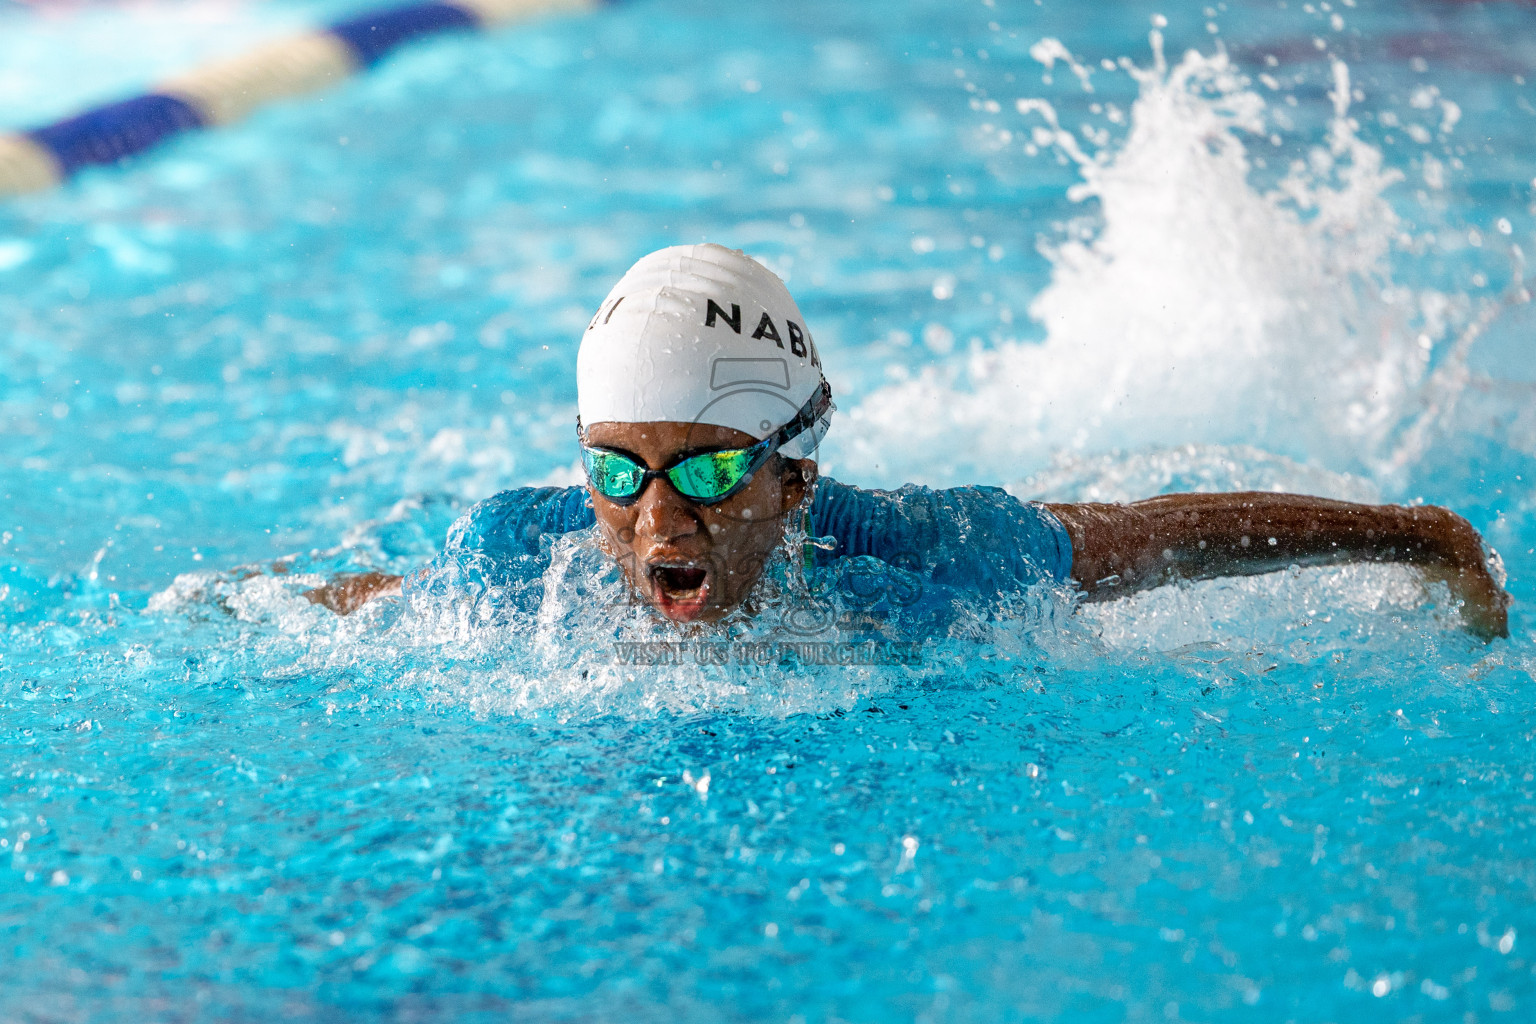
x: 701, y: 404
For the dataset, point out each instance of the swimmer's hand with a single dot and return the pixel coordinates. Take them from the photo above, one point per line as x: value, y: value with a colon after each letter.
x: 1120, y: 549
x: 348, y: 592
x: 1469, y: 569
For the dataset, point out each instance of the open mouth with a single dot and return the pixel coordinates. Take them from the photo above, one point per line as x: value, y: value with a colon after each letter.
x: 680, y: 590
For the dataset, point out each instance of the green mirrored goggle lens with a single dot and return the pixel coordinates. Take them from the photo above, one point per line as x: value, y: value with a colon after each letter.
x: 614, y: 475
x: 712, y: 475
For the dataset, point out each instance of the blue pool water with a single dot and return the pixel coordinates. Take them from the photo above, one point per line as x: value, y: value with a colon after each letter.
x: 1033, y: 256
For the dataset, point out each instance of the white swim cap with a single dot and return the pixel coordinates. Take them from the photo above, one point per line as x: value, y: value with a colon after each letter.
x: 701, y: 334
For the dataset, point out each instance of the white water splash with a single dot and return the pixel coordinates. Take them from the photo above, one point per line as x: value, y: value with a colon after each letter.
x: 1048, y: 51
x: 1295, y: 615
x: 1122, y: 476
x: 589, y: 649
x: 1203, y: 311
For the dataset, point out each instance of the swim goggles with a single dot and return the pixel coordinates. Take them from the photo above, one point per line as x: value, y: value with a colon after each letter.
x: 707, y: 477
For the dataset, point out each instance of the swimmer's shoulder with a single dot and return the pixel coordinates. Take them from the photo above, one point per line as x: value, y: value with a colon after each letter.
x: 871, y: 520
x: 930, y: 524
x: 511, y: 522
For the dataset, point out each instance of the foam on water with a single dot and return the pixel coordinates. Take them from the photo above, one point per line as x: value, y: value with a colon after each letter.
x: 1129, y: 476
x: 586, y: 648
x: 1195, y: 307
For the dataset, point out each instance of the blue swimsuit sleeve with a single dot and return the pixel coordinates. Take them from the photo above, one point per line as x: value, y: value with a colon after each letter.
x: 496, y: 545
x: 980, y: 539
x: 509, y: 524
x: 976, y: 538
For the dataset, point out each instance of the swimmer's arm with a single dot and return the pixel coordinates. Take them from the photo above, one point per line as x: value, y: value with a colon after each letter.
x: 348, y: 592
x: 504, y: 526
x: 1120, y: 549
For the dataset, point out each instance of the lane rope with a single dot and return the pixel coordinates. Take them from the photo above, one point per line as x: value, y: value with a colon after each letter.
x: 224, y: 91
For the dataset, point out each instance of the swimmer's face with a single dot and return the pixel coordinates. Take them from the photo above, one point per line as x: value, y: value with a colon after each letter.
x: 693, y: 562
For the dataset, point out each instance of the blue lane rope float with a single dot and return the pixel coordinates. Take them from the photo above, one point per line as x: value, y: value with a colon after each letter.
x: 227, y: 90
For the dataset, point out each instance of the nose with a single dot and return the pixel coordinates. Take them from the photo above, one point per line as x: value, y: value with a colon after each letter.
x: 663, y: 516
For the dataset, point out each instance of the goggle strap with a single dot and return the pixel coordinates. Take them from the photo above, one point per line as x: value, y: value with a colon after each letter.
x: 805, y: 418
